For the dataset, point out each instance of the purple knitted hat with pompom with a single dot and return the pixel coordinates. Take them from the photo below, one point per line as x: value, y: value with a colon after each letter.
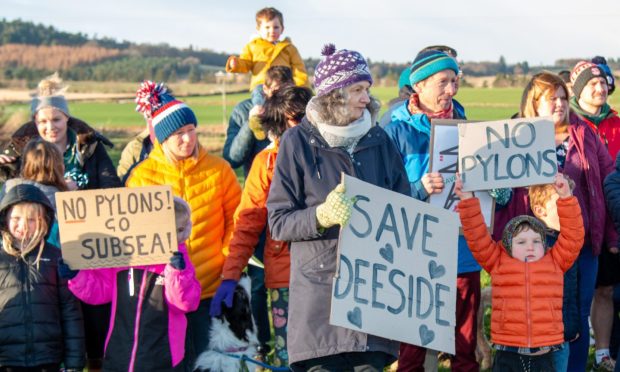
x: 339, y: 69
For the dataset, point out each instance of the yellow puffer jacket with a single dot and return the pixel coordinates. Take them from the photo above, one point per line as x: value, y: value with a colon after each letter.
x: 210, y: 187
x: 259, y: 54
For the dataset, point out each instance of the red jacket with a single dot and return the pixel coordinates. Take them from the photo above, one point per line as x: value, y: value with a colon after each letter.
x: 527, y: 296
x: 608, y: 130
x: 251, y: 219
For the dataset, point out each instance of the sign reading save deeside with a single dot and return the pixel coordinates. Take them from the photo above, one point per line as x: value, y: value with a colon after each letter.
x: 507, y: 153
x: 396, y: 275
x: 116, y: 227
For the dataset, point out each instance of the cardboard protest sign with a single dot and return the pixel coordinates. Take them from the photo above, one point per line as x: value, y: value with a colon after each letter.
x: 396, y: 274
x: 117, y: 227
x: 444, y: 150
x: 507, y: 153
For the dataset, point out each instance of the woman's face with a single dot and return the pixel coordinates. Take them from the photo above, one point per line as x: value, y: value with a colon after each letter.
x: 182, y: 142
x: 358, y: 98
x: 22, y: 222
x: 52, y: 125
x: 554, y: 104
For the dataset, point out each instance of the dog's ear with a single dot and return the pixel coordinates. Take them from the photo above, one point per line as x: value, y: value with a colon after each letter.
x: 239, y: 317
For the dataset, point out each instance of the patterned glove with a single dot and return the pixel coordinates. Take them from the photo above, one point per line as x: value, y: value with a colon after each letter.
x: 64, y: 271
x: 223, y: 295
x: 177, y: 261
x: 256, y: 127
x: 336, y: 210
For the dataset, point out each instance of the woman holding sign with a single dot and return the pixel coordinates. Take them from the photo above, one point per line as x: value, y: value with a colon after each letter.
x: 582, y: 157
x: 206, y: 182
x: 306, y: 204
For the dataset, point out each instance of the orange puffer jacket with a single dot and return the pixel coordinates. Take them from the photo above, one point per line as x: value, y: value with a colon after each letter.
x: 210, y: 187
x: 250, y: 220
x: 527, y: 297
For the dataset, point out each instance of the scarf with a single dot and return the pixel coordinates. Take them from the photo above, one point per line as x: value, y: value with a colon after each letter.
x: 596, y: 119
x: 414, y: 108
x: 346, y: 136
x: 74, y: 162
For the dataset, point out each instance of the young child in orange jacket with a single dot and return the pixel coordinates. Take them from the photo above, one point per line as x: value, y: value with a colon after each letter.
x: 527, y: 278
x: 284, y: 109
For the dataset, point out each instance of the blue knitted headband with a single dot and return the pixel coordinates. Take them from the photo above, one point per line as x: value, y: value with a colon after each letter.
x: 57, y: 102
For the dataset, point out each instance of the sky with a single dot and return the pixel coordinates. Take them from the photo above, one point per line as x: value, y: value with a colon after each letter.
x: 537, y: 31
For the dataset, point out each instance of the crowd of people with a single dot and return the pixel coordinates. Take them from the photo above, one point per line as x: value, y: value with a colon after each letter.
x: 293, y: 144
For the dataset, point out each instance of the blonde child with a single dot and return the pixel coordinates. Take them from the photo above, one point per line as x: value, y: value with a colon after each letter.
x: 543, y: 200
x: 267, y: 50
x: 40, y: 319
x: 527, y: 278
x: 148, y: 322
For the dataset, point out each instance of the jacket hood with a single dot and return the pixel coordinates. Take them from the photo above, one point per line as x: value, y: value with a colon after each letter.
x: 420, y: 121
x: 24, y: 193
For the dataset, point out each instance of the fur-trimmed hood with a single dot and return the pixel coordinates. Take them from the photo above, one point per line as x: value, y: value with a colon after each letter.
x: 87, y: 137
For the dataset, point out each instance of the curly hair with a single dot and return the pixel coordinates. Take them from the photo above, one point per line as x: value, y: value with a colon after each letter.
x: 286, y: 104
x: 334, y: 108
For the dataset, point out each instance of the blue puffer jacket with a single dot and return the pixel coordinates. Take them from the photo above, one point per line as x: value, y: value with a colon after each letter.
x: 240, y: 146
x: 611, y: 186
x: 411, y: 134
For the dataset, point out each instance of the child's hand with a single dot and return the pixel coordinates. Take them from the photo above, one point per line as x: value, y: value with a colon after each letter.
x: 177, y: 261
x: 5, y: 159
x: 561, y: 186
x: 433, y: 183
x: 233, y: 62
x: 458, y: 189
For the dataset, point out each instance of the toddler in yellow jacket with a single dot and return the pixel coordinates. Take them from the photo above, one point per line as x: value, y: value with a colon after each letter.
x: 267, y: 50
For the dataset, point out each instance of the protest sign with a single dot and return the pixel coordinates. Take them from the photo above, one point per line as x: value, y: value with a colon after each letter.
x: 444, y: 150
x: 507, y: 153
x: 116, y: 227
x: 396, y: 275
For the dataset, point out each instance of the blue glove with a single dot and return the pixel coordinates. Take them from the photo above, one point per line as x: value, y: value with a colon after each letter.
x: 177, y: 261
x: 224, y: 295
x: 65, y: 271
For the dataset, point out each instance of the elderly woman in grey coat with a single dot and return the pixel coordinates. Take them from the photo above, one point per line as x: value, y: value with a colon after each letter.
x: 306, y: 206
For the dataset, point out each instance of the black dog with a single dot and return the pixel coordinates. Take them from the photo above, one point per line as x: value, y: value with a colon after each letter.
x: 232, y: 334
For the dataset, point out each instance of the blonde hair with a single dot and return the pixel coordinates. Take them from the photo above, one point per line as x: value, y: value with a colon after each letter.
x: 21, y: 248
x: 42, y: 162
x: 541, y: 86
x: 541, y: 194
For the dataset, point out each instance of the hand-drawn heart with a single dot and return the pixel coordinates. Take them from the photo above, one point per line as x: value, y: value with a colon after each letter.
x: 387, y: 253
x: 435, y: 270
x: 355, y: 317
x: 426, y: 335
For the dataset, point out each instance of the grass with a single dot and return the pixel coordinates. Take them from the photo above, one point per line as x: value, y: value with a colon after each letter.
x: 120, y: 122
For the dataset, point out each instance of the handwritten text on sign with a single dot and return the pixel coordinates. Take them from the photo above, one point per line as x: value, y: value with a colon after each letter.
x: 507, y: 153
x: 397, y: 269
x: 444, y: 159
x: 116, y: 227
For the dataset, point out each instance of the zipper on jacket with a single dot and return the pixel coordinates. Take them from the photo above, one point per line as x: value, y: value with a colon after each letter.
x: 136, y: 328
x: 25, y: 270
x: 528, y: 304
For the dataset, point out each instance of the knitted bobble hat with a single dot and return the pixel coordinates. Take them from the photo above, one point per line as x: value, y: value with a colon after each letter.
x: 602, y: 63
x: 429, y: 63
x: 339, y: 69
x: 514, y: 223
x: 162, y: 110
x: 583, y: 72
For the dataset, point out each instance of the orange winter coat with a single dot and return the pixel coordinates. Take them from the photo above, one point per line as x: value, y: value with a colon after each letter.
x: 210, y: 187
x: 251, y: 219
x: 527, y: 297
x: 259, y: 54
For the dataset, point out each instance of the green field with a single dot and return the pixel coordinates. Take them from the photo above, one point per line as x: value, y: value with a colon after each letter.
x: 119, y: 120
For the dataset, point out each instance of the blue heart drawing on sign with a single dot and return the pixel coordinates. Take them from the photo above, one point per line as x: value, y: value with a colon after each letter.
x: 387, y: 253
x: 355, y: 317
x: 426, y: 335
x: 435, y: 270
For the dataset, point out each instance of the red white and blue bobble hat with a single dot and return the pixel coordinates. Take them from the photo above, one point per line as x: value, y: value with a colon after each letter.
x: 165, y: 113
